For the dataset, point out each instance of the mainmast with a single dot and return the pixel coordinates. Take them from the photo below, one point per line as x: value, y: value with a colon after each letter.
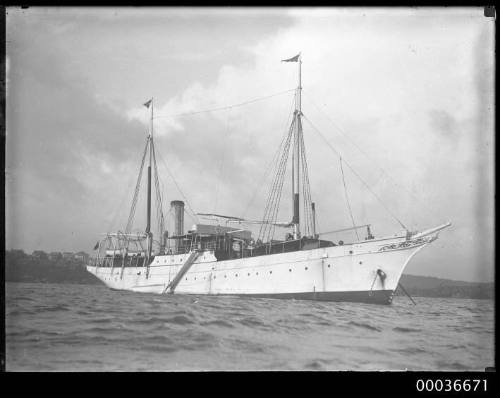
x: 297, y: 123
x: 297, y: 155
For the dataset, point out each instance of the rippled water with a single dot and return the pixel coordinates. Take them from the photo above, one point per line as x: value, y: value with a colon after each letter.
x: 91, y: 328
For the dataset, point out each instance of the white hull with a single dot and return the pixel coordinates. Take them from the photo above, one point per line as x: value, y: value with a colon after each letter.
x: 338, y: 273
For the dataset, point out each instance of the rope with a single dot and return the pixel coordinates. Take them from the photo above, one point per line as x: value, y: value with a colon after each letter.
x: 159, y: 202
x: 193, y: 216
x: 270, y: 212
x: 273, y: 160
x: 223, y: 156
x: 306, y: 186
x: 347, y: 198
x: 225, y: 107
x: 136, y: 192
x: 384, y: 172
x: 357, y: 175
x: 120, y: 206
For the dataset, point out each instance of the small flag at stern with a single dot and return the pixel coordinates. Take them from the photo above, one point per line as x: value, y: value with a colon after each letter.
x: 148, y: 103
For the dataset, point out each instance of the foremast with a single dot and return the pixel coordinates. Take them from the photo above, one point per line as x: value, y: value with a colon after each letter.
x: 149, y: 234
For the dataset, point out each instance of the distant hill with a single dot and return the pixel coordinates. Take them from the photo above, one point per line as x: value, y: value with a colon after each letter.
x: 22, y: 267
x: 428, y: 286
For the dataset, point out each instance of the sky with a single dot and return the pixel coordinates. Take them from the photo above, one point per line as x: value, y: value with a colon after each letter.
x: 404, y: 95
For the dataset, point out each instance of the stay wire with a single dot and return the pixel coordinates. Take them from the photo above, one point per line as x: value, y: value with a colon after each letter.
x: 356, y: 174
x: 193, y: 216
x: 347, y: 198
x: 384, y: 172
x: 225, y: 107
x: 274, y: 159
x: 221, y: 165
x: 130, y: 220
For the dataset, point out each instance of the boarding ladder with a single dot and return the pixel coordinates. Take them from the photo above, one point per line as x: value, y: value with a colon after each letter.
x: 187, y: 264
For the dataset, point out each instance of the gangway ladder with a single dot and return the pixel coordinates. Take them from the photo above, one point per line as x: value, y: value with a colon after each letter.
x: 188, y: 263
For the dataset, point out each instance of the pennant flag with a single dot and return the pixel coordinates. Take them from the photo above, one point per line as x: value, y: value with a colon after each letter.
x: 148, y: 103
x: 96, y: 246
x: 293, y: 59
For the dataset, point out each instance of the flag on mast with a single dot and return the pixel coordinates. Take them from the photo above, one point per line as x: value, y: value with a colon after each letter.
x: 293, y: 59
x: 148, y: 103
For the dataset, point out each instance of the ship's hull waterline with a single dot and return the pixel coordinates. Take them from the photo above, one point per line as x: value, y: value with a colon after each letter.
x: 368, y: 272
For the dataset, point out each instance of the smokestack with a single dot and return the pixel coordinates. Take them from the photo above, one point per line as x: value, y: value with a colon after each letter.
x: 178, y: 210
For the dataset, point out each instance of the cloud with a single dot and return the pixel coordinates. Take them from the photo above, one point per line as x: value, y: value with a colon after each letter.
x: 401, y: 96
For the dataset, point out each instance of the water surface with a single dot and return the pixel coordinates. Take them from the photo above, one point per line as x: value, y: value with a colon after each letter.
x: 57, y: 327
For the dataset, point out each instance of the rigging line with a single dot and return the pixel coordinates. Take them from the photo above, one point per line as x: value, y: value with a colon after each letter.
x: 221, y: 163
x: 274, y: 182
x: 306, y: 183
x: 130, y: 220
x: 273, y: 160
x: 306, y: 186
x: 225, y: 107
x: 263, y: 230
x: 274, y: 196
x: 124, y: 196
x: 357, y: 175
x: 384, y: 172
x: 180, y: 190
x: 279, y: 192
x: 159, y: 201
x: 347, y: 198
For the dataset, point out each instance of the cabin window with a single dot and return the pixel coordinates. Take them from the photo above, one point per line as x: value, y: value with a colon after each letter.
x: 249, y: 274
x: 270, y: 272
x: 361, y: 262
x: 256, y: 273
x: 306, y: 268
x: 236, y: 275
x: 290, y: 270
x: 225, y: 276
x: 328, y: 265
x: 350, y: 251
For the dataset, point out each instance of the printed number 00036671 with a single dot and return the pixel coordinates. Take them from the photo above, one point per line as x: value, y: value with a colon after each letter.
x: 451, y: 385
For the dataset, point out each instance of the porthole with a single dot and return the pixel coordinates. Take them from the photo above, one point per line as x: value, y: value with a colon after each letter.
x: 350, y: 251
x: 236, y: 275
x: 361, y: 262
x: 225, y: 276
x: 249, y: 274
x: 195, y: 278
x: 328, y: 265
x: 270, y: 272
x: 215, y: 277
x: 186, y: 278
x: 290, y: 270
x: 256, y: 273
x: 306, y: 268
